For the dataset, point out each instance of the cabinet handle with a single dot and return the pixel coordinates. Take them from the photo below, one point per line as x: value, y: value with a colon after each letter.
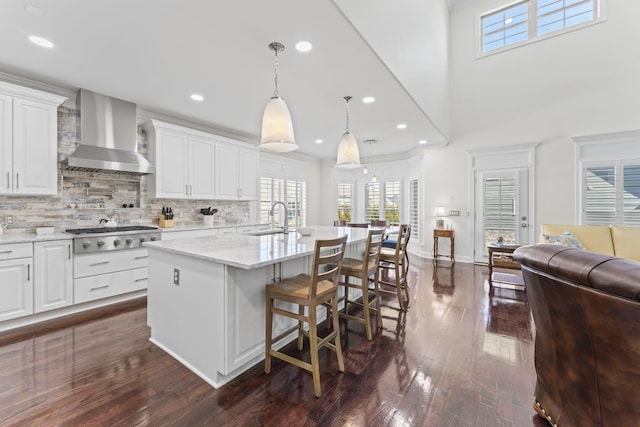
x: 28, y: 272
x: 6, y: 252
x: 98, y: 263
x: 190, y: 189
x: 17, y: 180
x: 99, y: 287
x: 69, y: 250
x: 141, y: 280
x: 8, y: 180
x: 142, y: 257
x: 186, y: 190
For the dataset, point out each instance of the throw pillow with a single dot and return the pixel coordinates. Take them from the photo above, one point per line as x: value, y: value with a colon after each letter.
x: 566, y: 238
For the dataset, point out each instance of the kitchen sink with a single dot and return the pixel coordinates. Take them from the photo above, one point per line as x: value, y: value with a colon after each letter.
x: 266, y: 232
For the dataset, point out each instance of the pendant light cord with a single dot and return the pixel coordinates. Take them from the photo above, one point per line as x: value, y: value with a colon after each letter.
x: 347, y: 98
x: 276, y: 92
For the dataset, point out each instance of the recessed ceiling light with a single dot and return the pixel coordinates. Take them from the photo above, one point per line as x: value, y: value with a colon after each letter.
x: 401, y: 126
x: 422, y: 141
x: 368, y: 99
x: 319, y: 141
x: 303, y: 46
x: 40, y: 41
x: 197, y: 97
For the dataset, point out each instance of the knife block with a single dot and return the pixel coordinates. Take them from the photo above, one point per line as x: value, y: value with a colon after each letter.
x: 166, y: 223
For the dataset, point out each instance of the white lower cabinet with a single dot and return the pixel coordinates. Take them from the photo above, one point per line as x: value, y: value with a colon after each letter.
x: 105, y: 274
x: 16, y: 280
x: 53, y: 275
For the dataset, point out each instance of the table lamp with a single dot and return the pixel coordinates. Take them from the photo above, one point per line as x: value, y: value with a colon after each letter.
x: 439, y: 212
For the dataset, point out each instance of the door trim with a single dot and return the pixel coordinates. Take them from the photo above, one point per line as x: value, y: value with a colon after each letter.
x: 501, y: 157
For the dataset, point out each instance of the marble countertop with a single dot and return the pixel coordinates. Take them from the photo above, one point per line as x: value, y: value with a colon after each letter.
x: 32, y: 237
x: 249, y: 252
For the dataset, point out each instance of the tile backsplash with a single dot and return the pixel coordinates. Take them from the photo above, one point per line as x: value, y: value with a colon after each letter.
x: 86, y: 197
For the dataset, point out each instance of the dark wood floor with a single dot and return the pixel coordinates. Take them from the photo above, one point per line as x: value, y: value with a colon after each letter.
x: 460, y: 356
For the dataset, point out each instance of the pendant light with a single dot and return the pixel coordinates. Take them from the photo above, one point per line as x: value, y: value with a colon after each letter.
x: 370, y: 143
x: 348, y: 153
x: 277, y: 129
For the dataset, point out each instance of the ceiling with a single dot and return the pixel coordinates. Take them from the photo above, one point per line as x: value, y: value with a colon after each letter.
x: 157, y: 53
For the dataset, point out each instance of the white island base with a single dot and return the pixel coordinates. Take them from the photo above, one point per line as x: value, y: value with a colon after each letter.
x: 206, y: 296
x: 213, y: 321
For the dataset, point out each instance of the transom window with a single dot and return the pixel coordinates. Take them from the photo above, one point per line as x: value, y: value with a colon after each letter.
x: 531, y: 19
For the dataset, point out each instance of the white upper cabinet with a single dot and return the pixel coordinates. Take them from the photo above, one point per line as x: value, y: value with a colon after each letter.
x: 184, y: 161
x: 28, y: 140
x: 236, y: 173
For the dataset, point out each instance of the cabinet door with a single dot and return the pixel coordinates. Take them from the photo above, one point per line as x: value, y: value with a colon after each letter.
x: 35, y: 148
x: 53, y: 271
x: 226, y: 172
x: 171, y: 165
x: 16, y: 290
x: 248, y: 174
x: 6, y: 137
x: 201, y: 166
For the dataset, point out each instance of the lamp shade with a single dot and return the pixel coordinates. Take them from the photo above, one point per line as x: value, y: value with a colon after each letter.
x: 277, y: 128
x: 439, y: 211
x: 348, y: 153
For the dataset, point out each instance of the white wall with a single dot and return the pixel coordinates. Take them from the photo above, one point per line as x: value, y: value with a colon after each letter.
x: 582, y: 82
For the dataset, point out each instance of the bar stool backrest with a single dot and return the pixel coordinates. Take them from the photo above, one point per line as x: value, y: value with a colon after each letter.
x: 327, y: 262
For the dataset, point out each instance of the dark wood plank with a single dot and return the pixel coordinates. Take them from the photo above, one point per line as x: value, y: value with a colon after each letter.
x: 462, y: 355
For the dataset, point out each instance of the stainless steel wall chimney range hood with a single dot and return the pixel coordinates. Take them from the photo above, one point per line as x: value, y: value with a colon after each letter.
x: 108, y: 137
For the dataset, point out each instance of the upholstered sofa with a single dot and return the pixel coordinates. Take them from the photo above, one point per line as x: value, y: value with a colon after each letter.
x: 619, y: 241
x: 586, y: 311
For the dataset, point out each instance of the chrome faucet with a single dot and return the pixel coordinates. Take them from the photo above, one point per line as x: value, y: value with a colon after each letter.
x: 285, y: 227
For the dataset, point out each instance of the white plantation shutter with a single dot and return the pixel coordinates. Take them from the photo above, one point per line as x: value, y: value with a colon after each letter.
x: 612, y: 194
x: 344, y: 201
x: 414, y: 208
x: 500, y: 209
x: 392, y: 202
x: 296, y: 203
x: 371, y: 201
x: 271, y: 190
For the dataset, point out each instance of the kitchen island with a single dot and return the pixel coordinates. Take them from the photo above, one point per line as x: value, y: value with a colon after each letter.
x: 206, y: 295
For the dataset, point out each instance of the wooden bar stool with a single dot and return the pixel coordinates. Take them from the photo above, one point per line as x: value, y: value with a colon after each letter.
x: 365, y: 270
x: 396, y: 260
x: 308, y: 291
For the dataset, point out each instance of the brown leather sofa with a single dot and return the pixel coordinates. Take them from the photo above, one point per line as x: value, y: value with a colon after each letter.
x: 586, y: 309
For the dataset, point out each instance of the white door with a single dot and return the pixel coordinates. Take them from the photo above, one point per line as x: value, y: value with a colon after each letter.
x: 6, y: 144
x: 16, y: 290
x: 248, y: 174
x: 53, y: 282
x: 201, y: 166
x: 226, y: 172
x: 171, y: 165
x: 501, y: 207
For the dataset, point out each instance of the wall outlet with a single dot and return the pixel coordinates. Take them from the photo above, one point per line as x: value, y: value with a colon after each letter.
x: 8, y: 219
x: 176, y: 276
x: 454, y: 213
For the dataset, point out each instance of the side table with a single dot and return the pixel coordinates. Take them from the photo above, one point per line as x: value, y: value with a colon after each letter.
x: 501, y: 256
x: 447, y: 233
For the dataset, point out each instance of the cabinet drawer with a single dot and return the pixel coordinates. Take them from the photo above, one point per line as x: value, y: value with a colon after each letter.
x: 227, y: 230
x: 16, y: 250
x: 107, y: 285
x: 246, y: 229
x: 107, y: 262
x: 187, y: 234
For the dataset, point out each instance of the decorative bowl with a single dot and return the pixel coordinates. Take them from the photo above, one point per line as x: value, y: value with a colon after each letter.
x: 305, y: 231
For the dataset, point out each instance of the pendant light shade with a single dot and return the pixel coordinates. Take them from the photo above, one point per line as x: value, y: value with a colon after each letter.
x: 277, y: 128
x: 348, y: 152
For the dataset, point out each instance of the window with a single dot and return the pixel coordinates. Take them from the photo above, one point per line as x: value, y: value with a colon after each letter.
x: 344, y: 201
x: 530, y: 19
x: 612, y: 194
x: 554, y: 15
x: 273, y: 190
x: 505, y: 27
x: 371, y: 201
x: 414, y: 208
x: 392, y: 202
x: 296, y: 203
x: 374, y: 209
x: 500, y: 216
